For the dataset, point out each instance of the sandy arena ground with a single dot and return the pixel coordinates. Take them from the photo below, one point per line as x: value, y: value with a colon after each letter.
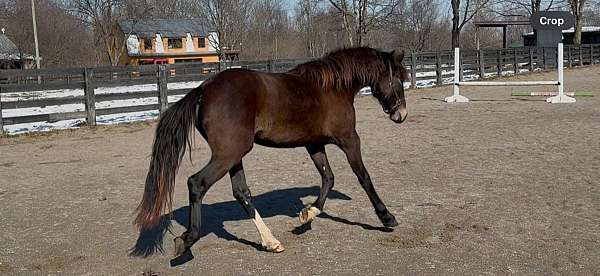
x: 497, y: 186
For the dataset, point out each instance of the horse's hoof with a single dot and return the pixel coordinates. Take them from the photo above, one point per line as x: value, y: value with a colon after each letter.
x: 389, y: 220
x: 308, y: 214
x: 179, y: 246
x: 274, y: 247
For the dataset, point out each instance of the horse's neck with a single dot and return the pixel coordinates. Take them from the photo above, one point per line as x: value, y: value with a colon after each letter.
x: 350, y: 93
x: 353, y: 91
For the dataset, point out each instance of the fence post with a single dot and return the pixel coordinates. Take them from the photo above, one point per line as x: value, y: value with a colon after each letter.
x: 413, y: 71
x: 580, y: 56
x: 530, y: 60
x: 481, y: 64
x: 544, y: 58
x: 90, y: 98
x: 1, y: 120
x: 163, y: 102
x: 515, y: 61
x: 438, y: 69
x: 570, y: 57
x: 498, y: 62
x: 460, y: 66
x: 269, y: 66
x: 592, y: 54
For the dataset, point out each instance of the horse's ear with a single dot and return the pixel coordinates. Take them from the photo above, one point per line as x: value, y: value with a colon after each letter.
x: 398, y: 57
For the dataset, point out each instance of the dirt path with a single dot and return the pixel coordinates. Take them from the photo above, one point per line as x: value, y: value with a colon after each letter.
x: 499, y: 185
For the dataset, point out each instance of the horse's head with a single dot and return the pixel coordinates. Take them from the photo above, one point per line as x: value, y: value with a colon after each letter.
x: 389, y: 88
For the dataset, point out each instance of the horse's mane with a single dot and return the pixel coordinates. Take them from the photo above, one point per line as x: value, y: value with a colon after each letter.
x: 342, y: 68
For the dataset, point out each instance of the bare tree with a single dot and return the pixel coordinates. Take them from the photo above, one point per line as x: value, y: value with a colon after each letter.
x: 307, y: 12
x: 511, y: 8
x: 577, y: 8
x: 159, y: 9
x: 63, y: 40
x: 269, y: 23
x: 320, y: 27
x: 462, y: 13
x: 103, y: 17
x: 229, y: 18
x: 520, y: 9
x: 360, y: 16
x: 414, y: 23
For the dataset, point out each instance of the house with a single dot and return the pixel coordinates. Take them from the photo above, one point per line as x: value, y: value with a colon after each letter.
x: 11, y: 57
x: 168, y: 41
x: 589, y: 35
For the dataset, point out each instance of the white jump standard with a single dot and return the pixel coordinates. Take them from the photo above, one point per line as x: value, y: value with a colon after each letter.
x: 560, y: 98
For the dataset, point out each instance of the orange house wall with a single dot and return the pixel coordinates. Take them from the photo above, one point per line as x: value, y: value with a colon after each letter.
x: 183, y: 49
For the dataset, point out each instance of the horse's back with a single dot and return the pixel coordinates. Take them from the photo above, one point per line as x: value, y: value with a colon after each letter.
x: 276, y: 109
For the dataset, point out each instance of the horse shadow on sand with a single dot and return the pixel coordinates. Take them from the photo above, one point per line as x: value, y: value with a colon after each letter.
x: 278, y: 202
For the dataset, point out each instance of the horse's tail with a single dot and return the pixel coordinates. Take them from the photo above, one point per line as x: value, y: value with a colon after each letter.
x: 170, y: 142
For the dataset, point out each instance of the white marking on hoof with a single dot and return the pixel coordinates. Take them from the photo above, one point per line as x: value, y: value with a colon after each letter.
x: 274, y: 246
x: 308, y: 214
x: 179, y: 246
x: 269, y: 242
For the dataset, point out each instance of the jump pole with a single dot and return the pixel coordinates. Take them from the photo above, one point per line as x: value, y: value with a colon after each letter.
x: 456, y: 97
x: 560, y: 98
x: 549, y: 94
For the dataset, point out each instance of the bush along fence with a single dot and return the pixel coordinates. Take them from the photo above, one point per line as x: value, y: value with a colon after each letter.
x: 37, y: 89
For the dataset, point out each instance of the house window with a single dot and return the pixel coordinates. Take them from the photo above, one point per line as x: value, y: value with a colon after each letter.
x: 201, y: 42
x: 174, y: 43
x: 147, y: 43
x: 188, y: 60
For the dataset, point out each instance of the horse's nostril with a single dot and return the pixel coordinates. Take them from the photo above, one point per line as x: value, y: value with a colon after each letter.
x: 396, y: 117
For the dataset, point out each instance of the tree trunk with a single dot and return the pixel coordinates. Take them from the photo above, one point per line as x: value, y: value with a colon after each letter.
x: 578, y: 27
x: 455, y: 24
x: 455, y: 39
x: 348, y: 30
x: 577, y: 10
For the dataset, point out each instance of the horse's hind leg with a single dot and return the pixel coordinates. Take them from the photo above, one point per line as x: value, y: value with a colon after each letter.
x: 351, y: 147
x: 243, y: 196
x: 319, y: 157
x: 198, y: 185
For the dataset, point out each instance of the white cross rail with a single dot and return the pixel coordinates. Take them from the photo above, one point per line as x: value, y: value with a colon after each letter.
x: 560, y: 98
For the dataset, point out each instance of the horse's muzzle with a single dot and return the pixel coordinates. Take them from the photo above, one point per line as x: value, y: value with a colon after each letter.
x: 399, y: 115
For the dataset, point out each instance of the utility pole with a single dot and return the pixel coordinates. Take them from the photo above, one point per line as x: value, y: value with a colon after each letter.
x: 35, y: 37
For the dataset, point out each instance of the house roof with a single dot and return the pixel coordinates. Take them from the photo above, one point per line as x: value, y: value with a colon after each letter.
x: 585, y: 29
x: 8, y: 50
x: 164, y: 27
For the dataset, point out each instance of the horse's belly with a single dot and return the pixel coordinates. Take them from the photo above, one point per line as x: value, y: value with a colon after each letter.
x: 288, y: 137
x: 278, y: 143
x: 290, y: 126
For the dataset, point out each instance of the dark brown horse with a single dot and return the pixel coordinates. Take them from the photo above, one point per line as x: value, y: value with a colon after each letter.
x: 309, y: 106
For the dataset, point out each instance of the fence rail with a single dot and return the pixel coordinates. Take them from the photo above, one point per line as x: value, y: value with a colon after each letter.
x: 434, y: 67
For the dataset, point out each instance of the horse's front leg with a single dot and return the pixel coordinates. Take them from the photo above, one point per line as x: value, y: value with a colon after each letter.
x: 351, y: 147
x: 319, y: 157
